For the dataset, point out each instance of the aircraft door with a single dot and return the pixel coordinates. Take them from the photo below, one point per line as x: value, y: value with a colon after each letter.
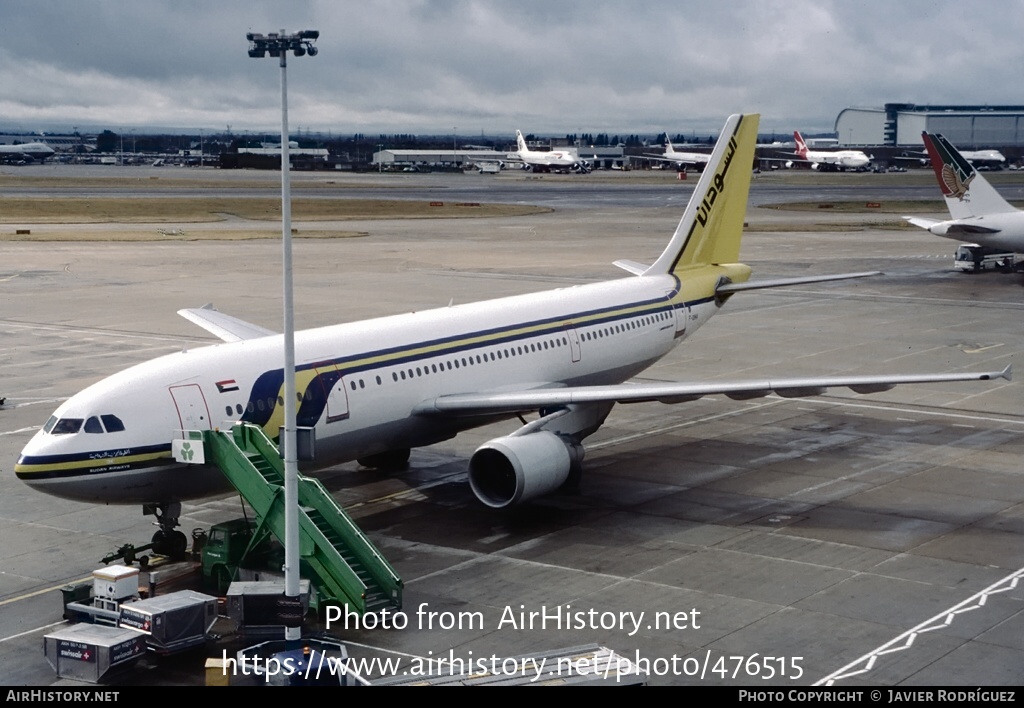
x: 682, y: 317
x: 193, y: 413
x: 574, y: 342
x: 337, y: 396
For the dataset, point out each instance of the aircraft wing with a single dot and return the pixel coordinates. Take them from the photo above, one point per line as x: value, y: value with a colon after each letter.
x: 228, y: 328
x: 467, y: 404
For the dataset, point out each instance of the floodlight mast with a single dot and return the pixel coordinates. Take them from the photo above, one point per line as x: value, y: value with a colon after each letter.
x: 278, y: 45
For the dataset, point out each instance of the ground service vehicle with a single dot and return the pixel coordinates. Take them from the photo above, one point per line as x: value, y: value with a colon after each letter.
x: 971, y: 258
x: 230, y: 548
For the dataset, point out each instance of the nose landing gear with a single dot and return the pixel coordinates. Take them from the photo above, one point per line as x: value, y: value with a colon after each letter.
x: 167, y: 541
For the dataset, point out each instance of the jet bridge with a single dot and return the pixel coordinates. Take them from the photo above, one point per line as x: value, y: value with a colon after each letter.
x: 335, y: 554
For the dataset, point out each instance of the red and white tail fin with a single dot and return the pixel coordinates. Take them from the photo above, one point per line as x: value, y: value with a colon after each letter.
x: 801, y: 146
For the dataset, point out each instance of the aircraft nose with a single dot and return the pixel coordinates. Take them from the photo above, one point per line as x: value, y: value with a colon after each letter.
x: 32, y: 455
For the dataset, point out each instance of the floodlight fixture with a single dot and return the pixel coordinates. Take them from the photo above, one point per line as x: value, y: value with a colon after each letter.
x: 278, y: 44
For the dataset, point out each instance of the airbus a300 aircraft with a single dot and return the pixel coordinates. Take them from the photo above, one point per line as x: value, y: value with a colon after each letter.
x: 977, y: 211
x: 830, y: 159
x: 547, y: 160
x: 698, y: 159
x: 374, y: 389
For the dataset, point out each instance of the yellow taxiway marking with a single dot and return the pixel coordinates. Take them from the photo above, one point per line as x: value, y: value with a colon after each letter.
x: 42, y: 592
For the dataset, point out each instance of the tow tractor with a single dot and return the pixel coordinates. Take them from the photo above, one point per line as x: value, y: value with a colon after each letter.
x: 228, y: 551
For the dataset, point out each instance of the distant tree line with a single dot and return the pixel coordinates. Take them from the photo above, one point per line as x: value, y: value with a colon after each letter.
x: 358, y: 147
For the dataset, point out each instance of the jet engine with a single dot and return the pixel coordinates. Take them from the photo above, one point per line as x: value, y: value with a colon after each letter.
x: 507, y: 471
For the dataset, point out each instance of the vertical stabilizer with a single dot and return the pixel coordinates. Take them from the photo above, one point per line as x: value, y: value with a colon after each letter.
x: 521, y: 142
x: 967, y: 193
x: 712, y: 226
x: 801, y: 146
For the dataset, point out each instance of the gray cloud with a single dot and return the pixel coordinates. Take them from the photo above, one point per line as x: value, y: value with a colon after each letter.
x: 569, y: 66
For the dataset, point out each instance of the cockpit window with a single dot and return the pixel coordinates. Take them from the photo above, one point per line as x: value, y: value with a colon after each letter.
x: 95, y: 424
x: 67, y: 426
x: 112, y: 423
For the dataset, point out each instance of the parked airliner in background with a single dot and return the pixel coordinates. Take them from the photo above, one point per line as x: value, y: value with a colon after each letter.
x: 680, y: 158
x: 376, y: 388
x: 985, y: 158
x: 26, y: 152
x: 977, y: 212
x: 989, y: 158
x: 830, y: 159
x: 547, y: 160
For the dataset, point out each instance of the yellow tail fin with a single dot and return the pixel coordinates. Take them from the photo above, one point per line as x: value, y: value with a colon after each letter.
x: 712, y: 226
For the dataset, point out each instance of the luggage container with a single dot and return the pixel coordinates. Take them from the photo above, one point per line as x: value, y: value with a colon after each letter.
x: 89, y: 652
x: 253, y: 606
x: 173, y: 622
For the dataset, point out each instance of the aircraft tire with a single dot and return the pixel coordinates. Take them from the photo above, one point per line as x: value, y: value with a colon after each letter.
x: 173, y: 544
x: 159, y: 542
x: 177, y: 544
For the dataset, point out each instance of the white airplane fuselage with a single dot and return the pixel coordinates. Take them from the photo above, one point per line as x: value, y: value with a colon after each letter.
x: 359, y: 384
x: 984, y: 157
x: 35, y: 151
x: 839, y: 159
x: 847, y: 159
x: 542, y: 160
x: 688, y: 157
x: 553, y: 160
x: 682, y: 158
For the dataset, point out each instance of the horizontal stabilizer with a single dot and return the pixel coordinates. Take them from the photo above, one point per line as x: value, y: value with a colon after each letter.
x: 965, y: 227
x: 725, y: 288
x: 631, y: 266
x: 464, y: 404
x: 925, y: 224
x: 226, y: 327
x: 956, y: 227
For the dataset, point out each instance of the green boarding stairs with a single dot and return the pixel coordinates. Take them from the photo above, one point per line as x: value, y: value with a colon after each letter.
x: 347, y: 568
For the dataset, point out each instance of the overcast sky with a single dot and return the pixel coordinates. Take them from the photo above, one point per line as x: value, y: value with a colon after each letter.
x: 544, y: 66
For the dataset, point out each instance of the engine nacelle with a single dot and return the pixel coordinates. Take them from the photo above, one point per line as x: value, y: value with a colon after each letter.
x: 507, y: 471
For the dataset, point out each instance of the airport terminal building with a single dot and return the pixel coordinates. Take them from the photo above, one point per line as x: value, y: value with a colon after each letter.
x: 901, y: 124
